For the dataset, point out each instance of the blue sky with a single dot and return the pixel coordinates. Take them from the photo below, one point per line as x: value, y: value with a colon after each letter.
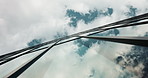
x: 29, y: 22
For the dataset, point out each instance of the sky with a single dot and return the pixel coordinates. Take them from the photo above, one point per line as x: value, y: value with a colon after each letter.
x: 24, y: 23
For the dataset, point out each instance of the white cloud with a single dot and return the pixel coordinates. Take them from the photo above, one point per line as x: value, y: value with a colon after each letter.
x: 22, y: 21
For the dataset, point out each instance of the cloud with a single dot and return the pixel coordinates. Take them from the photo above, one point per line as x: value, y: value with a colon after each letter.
x: 23, y: 21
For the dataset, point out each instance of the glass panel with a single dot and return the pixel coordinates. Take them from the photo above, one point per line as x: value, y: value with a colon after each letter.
x: 31, y: 22
x: 103, y: 60
x: 10, y: 66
